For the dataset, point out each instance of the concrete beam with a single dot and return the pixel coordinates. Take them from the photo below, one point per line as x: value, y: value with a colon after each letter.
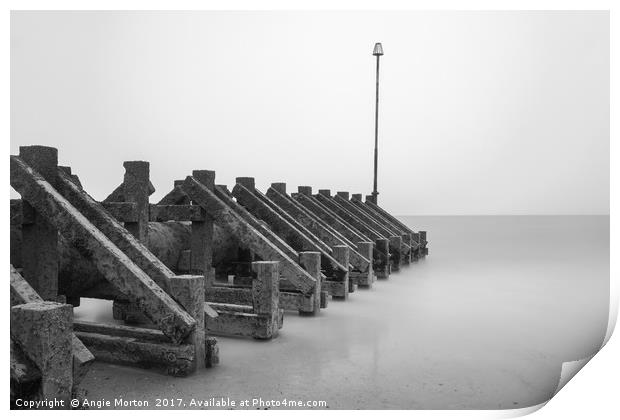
x: 315, y: 225
x: 228, y: 220
x: 113, y: 263
x: 180, y: 212
x: 283, y: 228
x: 223, y: 195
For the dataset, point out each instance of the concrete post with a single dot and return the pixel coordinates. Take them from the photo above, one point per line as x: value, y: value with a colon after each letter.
x: 304, y: 190
x: 418, y: 252
x: 202, y: 235
x: 44, y: 332
x: 266, y: 295
x: 311, y: 262
x: 366, y: 249
x: 382, y: 261
x: 39, y: 237
x: 341, y: 254
x: 423, y: 243
x: 189, y: 291
x: 247, y: 181
x: 136, y: 190
x: 395, y: 254
x: 279, y: 187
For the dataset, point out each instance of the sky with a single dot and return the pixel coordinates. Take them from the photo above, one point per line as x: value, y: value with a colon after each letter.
x: 480, y: 112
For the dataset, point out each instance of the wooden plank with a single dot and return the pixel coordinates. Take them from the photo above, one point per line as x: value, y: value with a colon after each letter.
x: 228, y: 220
x: 115, y: 265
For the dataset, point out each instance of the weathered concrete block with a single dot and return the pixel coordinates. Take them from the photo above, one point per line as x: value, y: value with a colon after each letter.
x: 126, y: 276
x: 311, y: 262
x: 395, y: 255
x: 40, y: 238
x: 266, y: 296
x: 136, y: 190
x: 381, y: 263
x: 366, y: 278
x: 279, y: 187
x: 44, y: 333
x: 189, y: 291
x: 230, y: 221
x: 305, y: 190
x: 22, y: 292
x: 247, y: 182
x: 25, y: 376
x: 341, y: 254
x: 202, y: 233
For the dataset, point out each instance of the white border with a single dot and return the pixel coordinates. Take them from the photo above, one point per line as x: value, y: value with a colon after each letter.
x: 592, y: 394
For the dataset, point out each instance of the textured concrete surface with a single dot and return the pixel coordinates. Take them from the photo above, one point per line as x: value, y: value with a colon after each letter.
x: 485, y: 322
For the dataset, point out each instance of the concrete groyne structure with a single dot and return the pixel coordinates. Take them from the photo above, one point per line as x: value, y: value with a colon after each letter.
x: 204, y: 261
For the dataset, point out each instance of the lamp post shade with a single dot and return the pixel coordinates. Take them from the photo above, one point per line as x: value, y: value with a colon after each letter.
x: 377, y: 52
x: 378, y: 49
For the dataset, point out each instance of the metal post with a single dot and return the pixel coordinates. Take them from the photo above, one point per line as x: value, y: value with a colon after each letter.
x: 377, y: 52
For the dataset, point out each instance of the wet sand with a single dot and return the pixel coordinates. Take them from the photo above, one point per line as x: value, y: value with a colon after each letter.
x: 484, y: 322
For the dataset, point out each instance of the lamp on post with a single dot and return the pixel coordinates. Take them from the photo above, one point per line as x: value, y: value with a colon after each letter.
x: 377, y: 52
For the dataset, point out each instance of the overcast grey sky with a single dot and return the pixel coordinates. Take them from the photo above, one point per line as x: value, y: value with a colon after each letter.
x: 481, y: 112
